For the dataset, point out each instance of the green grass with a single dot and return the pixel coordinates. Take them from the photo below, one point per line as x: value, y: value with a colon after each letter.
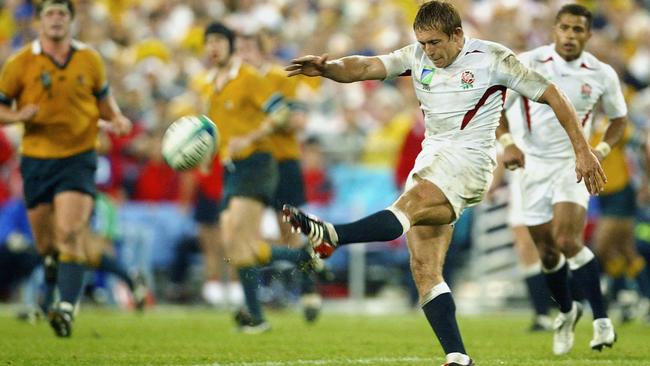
x: 202, y: 337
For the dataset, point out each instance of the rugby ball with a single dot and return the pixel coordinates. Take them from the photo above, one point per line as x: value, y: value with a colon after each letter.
x: 188, y: 141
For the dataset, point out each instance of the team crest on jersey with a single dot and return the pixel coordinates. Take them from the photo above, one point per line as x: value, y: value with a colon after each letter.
x: 585, y: 91
x: 467, y: 80
x: 46, y: 80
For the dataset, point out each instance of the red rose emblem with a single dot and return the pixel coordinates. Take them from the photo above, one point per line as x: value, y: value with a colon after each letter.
x: 467, y: 77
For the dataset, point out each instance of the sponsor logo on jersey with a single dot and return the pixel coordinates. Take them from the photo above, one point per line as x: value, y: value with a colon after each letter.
x: 467, y: 80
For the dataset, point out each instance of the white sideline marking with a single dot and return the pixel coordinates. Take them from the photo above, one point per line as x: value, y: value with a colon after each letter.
x: 342, y: 361
x: 398, y: 360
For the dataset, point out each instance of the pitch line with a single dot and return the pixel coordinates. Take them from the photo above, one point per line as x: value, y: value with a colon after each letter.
x: 342, y: 361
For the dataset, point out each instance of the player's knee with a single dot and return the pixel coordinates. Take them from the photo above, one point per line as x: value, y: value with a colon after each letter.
x: 568, y: 244
x: 549, y: 257
x: 69, y: 235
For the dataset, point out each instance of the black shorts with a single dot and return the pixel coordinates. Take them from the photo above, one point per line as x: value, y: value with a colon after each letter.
x: 291, y: 188
x: 45, y: 178
x: 618, y: 204
x: 254, y: 177
x: 207, y: 210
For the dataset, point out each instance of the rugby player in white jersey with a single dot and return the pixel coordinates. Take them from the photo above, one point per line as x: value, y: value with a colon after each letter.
x: 554, y: 205
x: 460, y: 83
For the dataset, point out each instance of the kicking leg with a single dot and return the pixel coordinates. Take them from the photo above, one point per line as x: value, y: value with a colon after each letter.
x: 422, y: 204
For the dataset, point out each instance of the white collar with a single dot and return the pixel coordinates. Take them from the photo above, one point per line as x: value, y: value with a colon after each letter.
x: 37, y: 49
x: 578, y: 63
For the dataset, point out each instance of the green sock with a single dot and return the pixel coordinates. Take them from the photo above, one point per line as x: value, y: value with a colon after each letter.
x: 70, y: 281
x: 297, y: 256
x: 250, y: 281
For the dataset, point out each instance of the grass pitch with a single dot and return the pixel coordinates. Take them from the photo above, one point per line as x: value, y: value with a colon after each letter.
x: 203, y: 337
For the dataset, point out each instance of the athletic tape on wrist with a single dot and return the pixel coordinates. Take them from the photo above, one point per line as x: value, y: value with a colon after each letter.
x: 603, y: 148
x: 506, y: 139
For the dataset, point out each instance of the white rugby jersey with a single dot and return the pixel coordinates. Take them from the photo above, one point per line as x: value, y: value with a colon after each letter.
x: 462, y: 102
x: 585, y: 81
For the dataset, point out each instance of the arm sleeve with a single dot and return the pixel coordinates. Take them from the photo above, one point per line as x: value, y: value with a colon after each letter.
x: 100, y: 84
x: 10, y: 83
x: 399, y: 61
x: 512, y: 73
x: 613, y: 100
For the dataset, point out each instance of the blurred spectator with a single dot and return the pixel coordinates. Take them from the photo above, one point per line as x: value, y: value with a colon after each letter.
x: 318, y: 187
x: 383, y: 144
x: 18, y: 257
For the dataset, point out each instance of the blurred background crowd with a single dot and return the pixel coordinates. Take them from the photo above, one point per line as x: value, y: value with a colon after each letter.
x: 360, y: 139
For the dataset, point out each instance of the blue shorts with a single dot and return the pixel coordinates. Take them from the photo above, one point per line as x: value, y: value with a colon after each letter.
x: 291, y: 188
x: 253, y: 177
x: 619, y: 204
x: 45, y: 178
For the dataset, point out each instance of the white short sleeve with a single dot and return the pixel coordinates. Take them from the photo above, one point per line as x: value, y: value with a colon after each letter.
x: 513, y: 74
x: 399, y: 61
x: 613, y: 100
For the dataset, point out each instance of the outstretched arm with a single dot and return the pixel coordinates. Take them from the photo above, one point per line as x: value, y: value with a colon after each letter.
x: 587, y: 165
x: 344, y: 70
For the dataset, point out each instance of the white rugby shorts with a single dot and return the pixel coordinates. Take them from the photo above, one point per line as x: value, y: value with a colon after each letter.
x: 463, y: 174
x: 544, y: 183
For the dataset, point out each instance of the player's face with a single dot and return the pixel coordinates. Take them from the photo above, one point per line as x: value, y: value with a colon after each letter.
x: 570, y: 35
x: 217, y: 49
x: 248, y: 49
x: 439, y: 47
x: 55, y: 23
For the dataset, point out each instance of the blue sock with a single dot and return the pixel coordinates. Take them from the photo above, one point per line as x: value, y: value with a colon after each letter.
x: 441, y: 314
x: 250, y: 281
x: 70, y: 281
x: 558, y: 285
x: 111, y: 265
x: 576, y: 288
x: 588, y: 277
x: 380, y: 226
x: 538, y: 293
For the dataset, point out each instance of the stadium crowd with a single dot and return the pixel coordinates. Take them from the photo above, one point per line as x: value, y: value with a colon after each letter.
x: 153, y: 53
